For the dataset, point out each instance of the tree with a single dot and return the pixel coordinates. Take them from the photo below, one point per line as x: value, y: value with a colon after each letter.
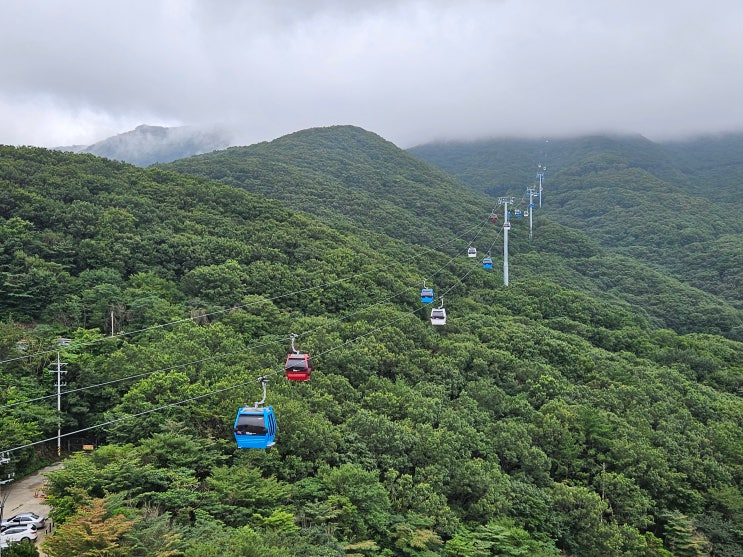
x: 218, y: 284
x: 90, y: 532
x: 23, y: 549
x: 682, y: 537
x: 366, y: 495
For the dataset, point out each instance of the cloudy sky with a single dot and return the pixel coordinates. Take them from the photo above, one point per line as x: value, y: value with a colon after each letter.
x: 413, y: 71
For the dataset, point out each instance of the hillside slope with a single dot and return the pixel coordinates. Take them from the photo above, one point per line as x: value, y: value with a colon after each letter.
x: 540, y: 420
x: 660, y: 204
x: 354, y: 179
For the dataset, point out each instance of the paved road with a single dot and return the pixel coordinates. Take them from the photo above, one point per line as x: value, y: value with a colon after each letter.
x: 24, y: 495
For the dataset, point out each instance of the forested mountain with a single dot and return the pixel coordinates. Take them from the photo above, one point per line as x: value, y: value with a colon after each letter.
x: 354, y: 179
x: 351, y: 178
x: 675, y: 207
x: 546, y: 418
x: 712, y: 166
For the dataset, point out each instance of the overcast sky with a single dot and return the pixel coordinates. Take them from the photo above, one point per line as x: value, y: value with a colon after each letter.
x: 413, y: 71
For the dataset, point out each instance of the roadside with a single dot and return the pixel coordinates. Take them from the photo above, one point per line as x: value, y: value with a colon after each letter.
x: 26, y: 495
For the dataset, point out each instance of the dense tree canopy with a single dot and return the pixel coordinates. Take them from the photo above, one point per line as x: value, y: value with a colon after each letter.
x: 549, y: 417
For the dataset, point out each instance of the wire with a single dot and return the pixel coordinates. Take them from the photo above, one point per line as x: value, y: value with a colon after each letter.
x: 139, y: 375
x: 191, y: 399
x: 210, y: 358
x: 198, y: 397
x: 131, y: 416
x: 460, y: 280
x: 225, y: 310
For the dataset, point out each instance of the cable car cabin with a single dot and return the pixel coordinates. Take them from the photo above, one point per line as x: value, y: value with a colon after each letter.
x: 427, y: 295
x: 438, y: 316
x: 493, y: 217
x: 517, y: 213
x: 255, y: 428
x: 471, y: 252
x: 298, y: 367
x: 487, y: 263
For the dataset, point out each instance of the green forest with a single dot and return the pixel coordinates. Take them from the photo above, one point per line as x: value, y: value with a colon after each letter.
x: 592, y: 407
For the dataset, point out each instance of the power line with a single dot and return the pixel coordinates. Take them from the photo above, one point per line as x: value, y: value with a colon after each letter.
x: 59, y: 436
x: 75, y: 345
x: 217, y: 391
x: 209, y: 358
x: 198, y: 397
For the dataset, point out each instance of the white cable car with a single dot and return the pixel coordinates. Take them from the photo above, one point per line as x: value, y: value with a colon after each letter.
x: 471, y: 251
x: 438, y: 315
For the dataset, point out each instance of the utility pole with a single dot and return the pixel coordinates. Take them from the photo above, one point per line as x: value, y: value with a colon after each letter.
x: 506, y: 227
x: 59, y: 371
x: 531, y: 192
x: 4, y: 492
x: 540, y: 177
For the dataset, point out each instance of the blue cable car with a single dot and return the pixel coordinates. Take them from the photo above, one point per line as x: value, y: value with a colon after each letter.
x: 426, y: 294
x: 255, y: 426
x: 487, y: 263
x: 517, y: 213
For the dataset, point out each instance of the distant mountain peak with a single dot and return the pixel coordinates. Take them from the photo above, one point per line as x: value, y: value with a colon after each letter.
x: 146, y: 144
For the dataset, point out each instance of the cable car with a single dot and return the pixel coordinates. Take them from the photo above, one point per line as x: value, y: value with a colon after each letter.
x: 487, y: 263
x: 471, y: 252
x: 255, y: 426
x: 517, y: 213
x: 298, y: 365
x: 427, y: 295
x: 493, y: 217
x: 438, y: 315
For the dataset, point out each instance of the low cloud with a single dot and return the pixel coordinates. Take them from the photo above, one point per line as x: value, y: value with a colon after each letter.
x: 412, y: 71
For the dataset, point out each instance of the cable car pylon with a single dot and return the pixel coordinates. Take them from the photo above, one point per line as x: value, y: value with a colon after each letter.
x: 506, y: 227
x: 540, y: 177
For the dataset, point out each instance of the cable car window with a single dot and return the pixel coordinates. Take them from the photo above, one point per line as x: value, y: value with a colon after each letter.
x: 298, y: 362
x: 251, y: 424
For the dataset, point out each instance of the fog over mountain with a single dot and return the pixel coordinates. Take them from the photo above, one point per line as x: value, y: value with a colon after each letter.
x: 146, y: 145
x: 414, y: 71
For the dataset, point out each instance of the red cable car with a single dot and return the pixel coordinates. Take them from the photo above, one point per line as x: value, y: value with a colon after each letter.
x: 493, y: 217
x: 298, y: 365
